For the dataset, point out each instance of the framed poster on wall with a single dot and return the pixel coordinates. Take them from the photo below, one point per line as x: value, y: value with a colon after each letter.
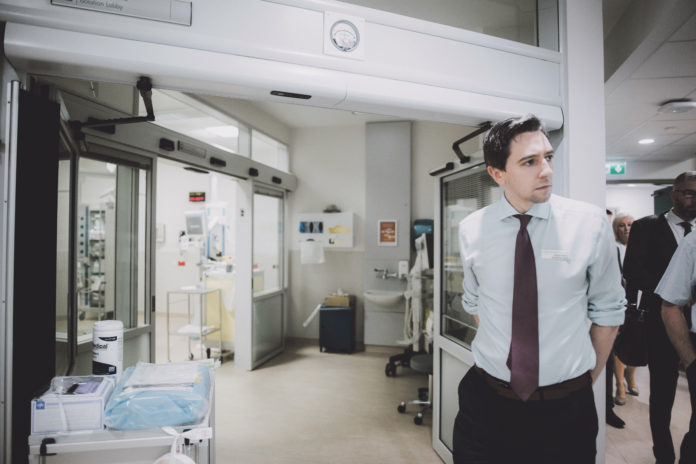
x: 387, y: 228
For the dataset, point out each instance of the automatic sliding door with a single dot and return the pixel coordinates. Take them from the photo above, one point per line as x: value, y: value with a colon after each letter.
x: 268, y: 279
x: 112, y: 243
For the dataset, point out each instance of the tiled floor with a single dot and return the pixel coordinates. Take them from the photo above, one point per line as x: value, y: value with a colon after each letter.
x: 633, y: 444
x: 310, y: 407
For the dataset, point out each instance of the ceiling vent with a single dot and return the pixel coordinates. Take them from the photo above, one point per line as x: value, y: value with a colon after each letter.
x: 681, y: 105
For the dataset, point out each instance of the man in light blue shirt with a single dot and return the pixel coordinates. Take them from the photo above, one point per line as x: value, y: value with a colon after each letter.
x: 677, y: 288
x: 579, y: 304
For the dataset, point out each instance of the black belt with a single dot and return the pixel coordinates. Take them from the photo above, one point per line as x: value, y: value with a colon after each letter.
x: 549, y: 392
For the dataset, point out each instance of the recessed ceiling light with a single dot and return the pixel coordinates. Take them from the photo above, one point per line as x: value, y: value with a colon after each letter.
x: 679, y: 105
x: 646, y: 141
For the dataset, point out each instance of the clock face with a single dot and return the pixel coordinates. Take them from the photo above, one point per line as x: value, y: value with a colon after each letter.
x: 345, y: 36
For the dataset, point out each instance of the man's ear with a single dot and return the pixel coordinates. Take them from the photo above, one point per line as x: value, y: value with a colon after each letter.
x: 497, y: 175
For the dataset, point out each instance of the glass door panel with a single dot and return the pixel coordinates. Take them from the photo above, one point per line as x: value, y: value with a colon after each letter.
x: 267, y: 328
x: 268, y: 226
x: 462, y: 194
x: 63, y: 268
x: 112, y: 252
x: 459, y: 195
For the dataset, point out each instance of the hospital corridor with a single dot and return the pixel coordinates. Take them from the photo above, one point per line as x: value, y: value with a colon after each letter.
x: 261, y: 231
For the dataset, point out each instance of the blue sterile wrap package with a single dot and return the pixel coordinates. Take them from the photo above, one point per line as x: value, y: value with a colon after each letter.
x: 159, y: 395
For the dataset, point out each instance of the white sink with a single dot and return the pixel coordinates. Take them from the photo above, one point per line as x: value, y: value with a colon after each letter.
x: 383, y: 297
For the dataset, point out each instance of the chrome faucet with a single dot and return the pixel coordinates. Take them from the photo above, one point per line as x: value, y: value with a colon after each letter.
x: 386, y: 274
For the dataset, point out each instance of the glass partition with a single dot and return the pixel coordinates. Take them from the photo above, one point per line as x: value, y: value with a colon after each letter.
x: 462, y: 194
x: 63, y: 268
x: 269, y: 151
x: 532, y: 22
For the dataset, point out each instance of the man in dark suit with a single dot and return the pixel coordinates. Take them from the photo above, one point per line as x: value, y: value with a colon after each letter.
x: 651, y: 245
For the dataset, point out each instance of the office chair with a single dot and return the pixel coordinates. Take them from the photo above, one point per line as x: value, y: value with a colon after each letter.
x: 422, y: 363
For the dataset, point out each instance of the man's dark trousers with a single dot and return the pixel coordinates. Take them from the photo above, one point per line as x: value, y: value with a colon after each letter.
x: 663, y: 363
x: 491, y: 429
x: 651, y: 245
x: 688, y: 447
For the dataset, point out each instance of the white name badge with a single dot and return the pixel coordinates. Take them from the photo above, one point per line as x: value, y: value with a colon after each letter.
x: 557, y: 255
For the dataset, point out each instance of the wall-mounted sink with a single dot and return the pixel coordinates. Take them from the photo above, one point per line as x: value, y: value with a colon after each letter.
x: 383, y: 297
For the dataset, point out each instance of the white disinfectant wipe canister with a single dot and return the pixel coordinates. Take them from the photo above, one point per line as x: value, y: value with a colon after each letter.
x: 107, y: 351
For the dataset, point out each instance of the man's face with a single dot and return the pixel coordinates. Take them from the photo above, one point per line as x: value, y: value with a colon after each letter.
x: 528, y: 171
x: 684, y: 199
x: 623, y: 228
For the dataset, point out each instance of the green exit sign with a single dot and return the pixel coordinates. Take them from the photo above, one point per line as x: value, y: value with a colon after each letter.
x: 614, y: 168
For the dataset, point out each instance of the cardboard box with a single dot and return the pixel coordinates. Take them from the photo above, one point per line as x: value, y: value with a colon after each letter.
x: 82, y: 401
x: 342, y: 301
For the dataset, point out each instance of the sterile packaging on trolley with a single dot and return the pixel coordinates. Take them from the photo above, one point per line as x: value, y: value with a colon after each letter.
x: 72, y: 404
x: 160, y: 395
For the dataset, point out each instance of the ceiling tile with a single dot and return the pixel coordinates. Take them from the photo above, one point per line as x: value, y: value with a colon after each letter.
x: 674, y: 153
x: 690, y: 140
x: 687, y: 31
x: 672, y: 59
x: 651, y: 91
x: 670, y: 127
x: 628, y: 145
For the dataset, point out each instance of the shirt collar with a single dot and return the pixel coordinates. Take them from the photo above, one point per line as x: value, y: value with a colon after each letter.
x: 540, y: 210
x: 674, y: 219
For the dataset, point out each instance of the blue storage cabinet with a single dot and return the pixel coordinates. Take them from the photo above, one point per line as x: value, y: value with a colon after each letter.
x: 337, y: 328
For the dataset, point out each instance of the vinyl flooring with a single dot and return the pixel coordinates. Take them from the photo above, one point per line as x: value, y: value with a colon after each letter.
x: 310, y: 407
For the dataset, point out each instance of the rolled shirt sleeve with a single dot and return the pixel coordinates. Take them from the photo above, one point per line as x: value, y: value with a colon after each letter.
x: 676, y: 285
x: 470, y: 297
x: 606, y: 298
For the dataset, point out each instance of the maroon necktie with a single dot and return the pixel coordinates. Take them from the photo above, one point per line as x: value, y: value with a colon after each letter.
x: 524, y: 347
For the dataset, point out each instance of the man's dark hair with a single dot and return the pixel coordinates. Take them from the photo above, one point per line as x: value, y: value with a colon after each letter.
x: 684, y: 177
x: 496, y: 145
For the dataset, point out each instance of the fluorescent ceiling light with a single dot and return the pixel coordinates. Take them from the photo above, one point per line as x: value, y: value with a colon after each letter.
x: 646, y: 141
x: 681, y: 105
x: 224, y: 131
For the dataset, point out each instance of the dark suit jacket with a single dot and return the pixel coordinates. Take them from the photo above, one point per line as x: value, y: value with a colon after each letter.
x: 651, y: 245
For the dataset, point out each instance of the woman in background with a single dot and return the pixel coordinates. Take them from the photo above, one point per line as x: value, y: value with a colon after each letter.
x: 624, y: 374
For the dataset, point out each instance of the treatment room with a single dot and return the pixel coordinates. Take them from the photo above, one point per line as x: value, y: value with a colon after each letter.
x: 261, y: 199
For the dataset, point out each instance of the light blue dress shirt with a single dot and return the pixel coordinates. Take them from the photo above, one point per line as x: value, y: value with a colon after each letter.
x: 578, y: 282
x: 678, y: 283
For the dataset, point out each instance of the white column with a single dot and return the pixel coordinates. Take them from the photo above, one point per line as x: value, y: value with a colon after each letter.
x: 580, y: 172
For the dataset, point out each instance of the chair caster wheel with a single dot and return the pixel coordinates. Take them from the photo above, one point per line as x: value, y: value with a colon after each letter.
x: 418, y: 420
x: 401, y: 408
x: 390, y: 370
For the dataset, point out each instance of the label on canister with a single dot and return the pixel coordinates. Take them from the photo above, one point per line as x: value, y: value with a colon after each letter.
x: 107, y: 348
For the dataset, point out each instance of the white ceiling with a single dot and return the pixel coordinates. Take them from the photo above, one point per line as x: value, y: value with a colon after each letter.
x: 662, y: 66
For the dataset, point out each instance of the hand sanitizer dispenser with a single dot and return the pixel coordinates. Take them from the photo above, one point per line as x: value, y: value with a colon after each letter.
x: 403, y: 269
